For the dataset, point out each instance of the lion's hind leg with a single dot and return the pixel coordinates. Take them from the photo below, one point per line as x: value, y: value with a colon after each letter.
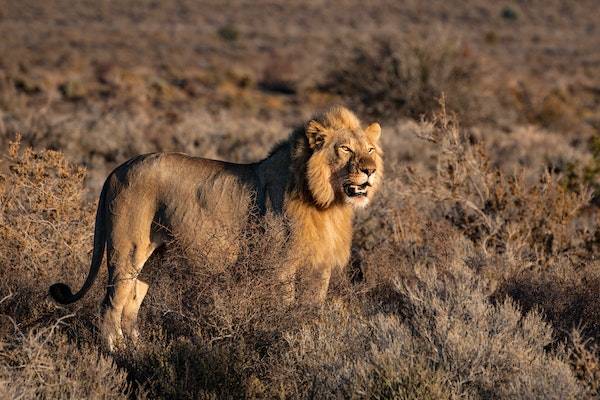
x: 140, y: 288
x: 121, y: 281
x: 125, y: 292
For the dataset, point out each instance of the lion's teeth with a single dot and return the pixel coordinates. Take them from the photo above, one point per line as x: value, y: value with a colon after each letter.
x: 356, y: 190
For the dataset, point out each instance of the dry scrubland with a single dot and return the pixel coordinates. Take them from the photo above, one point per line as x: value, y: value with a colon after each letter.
x: 475, y: 273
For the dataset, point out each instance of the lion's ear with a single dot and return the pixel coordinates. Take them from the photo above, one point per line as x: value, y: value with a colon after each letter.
x: 315, y: 133
x: 373, y: 132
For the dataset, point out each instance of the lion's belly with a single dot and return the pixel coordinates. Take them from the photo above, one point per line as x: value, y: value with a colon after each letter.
x: 207, y: 218
x: 210, y: 240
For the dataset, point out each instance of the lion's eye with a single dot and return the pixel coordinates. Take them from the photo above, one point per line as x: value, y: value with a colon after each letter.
x: 346, y: 149
x: 371, y: 149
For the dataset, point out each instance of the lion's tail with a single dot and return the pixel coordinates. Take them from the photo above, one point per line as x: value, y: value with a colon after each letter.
x: 61, y: 292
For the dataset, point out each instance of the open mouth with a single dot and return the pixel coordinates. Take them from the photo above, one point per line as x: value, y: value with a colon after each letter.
x: 356, y: 190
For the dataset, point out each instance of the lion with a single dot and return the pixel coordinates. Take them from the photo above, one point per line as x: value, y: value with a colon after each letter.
x: 315, y: 179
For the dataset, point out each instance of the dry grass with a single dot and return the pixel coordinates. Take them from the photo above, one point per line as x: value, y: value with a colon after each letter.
x: 39, y: 364
x: 386, y: 78
x: 473, y: 275
x: 426, y: 316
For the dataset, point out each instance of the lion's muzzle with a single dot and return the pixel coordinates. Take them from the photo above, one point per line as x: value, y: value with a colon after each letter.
x: 356, y: 190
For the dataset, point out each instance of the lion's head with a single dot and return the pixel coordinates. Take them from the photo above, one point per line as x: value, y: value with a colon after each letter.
x: 344, y: 161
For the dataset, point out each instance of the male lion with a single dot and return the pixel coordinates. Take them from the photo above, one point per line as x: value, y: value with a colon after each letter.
x: 315, y: 179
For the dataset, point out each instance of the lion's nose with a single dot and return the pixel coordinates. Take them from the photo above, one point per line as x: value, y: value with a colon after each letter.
x: 368, y: 170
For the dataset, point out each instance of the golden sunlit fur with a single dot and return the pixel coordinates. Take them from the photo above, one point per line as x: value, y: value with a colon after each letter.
x: 316, y: 178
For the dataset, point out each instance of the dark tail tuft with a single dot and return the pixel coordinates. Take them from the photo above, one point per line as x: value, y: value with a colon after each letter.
x: 61, y: 293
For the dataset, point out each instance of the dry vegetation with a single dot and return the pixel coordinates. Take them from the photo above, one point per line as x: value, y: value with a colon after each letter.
x: 474, y: 275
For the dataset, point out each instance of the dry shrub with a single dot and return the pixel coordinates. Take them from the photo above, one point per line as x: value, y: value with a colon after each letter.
x: 499, y: 212
x: 341, y: 355
x: 46, y: 230
x: 445, y: 340
x: 41, y: 200
x: 537, y: 241
x: 190, y: 368
x: 558, y: 107
x: 421, y: 323
x: 42, y: 363
x: 584, y: 361
x: 564, y: 291
x: 482, y: 347
x: 388, y: 78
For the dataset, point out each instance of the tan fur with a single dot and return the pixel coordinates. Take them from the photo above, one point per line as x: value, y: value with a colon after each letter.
x: 316, y: 178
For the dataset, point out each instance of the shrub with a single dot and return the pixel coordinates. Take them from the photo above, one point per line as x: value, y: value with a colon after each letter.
x: 499, y: 212
x: 46, y: 231
x: 445, y: 340
x: 42, y: 363
x: 43, y: 219
x: 584, y: 361
x: 388, y: 78
x: 558, y: 108
x: 428, y: 319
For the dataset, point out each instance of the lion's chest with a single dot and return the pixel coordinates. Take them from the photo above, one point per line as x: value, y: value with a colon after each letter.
x: 322, y: 238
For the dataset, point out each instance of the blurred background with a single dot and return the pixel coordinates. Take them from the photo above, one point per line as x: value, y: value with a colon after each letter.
x: 105, y: 80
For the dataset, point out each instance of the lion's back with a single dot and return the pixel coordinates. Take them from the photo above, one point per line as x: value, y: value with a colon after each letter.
x: 203, y: 203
